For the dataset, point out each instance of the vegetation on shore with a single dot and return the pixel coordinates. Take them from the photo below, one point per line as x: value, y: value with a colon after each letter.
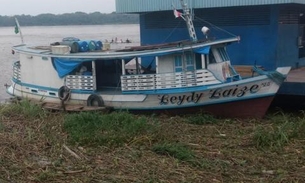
x: 41, y: 146
x: 78, y: 18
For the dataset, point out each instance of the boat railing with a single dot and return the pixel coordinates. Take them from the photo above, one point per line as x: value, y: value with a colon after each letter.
x: 80, y: 82
x: 167, y: 80
x: 16, y: 71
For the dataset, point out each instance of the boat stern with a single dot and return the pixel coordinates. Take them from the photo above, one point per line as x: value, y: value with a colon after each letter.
x: 10, y: 89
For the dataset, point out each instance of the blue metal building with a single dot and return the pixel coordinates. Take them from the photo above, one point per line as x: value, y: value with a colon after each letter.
x: 272, y: 31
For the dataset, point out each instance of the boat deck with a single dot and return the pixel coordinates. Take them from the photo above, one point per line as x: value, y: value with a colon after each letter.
x: 294, y: 84
x: 296, y: 75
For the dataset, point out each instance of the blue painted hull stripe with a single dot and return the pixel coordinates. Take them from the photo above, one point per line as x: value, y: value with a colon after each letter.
x: 49, y: 88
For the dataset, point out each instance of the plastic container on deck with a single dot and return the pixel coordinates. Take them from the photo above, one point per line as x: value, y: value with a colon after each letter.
x: 99, y: 45
x: 91, y: 45
x: 82, y: 46
x: 70, y: 39
x: 74, y: 45
x: 106, y: 46
x: 60, y: 49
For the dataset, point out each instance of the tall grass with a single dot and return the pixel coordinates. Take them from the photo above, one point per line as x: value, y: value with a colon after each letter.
x: 176, y: 150
x: 282, y: 129
x: 92, y: 128
x: 1, y: 125
x: 201, y: 119
x: 184, y: 153
x: 23, y: 108
x: 271, y: 137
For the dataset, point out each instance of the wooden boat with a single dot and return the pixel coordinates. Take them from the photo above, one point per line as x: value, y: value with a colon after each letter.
x: 183, y: 77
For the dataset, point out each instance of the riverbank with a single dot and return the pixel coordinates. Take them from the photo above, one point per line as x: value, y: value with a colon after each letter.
x: 40, y: 146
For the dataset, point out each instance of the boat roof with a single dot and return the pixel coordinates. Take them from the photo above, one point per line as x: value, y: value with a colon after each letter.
x: 130, y: 52
x: 138, y: 6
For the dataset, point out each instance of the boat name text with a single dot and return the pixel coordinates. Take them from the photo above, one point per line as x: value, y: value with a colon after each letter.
x: 194, y: 97
x: 232, y: 92
x: 214, y: 94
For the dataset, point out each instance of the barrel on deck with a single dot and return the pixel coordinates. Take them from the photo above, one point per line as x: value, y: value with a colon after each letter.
x: 99, y: 45
x: 91, y: 45
x: 83, y: 46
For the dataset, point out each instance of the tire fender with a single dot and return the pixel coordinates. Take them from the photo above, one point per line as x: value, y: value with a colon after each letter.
x: 95, y: 100
x: 64, y: 93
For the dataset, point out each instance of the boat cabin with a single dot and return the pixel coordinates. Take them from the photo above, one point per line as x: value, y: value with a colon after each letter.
x: 172, y: 69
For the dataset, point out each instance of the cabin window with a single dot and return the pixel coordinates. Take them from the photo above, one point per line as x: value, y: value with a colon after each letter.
x: 108, y: 73
x: 178, y: 63
x: 189, y: 62
x: 223, y: 54
x: 199, y: 61
x: 211, y: 58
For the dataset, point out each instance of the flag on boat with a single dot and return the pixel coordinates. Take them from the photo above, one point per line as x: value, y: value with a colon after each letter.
x: 16, y: 26
x: 177, y: 13
x: 18, y: 30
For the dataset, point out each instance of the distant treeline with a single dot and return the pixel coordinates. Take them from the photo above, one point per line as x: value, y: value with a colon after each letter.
x: 78, y: 18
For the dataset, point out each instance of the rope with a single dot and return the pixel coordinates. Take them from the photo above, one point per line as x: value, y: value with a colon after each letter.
x: 171, y: 33
x: 277, y: 77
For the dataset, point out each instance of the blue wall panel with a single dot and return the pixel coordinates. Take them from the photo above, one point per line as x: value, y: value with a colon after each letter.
x: 255, y: 46
x: 288, y: 50
x: 268, y: 33
x: 257, y: 41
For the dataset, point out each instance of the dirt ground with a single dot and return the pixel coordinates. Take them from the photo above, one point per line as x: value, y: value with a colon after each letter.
x: 38, y: 150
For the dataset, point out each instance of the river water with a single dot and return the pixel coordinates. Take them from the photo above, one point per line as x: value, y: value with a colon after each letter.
x: 44, y: 35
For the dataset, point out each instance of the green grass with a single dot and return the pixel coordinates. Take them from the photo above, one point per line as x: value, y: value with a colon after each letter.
x: 23, y: 108
x: 201, y: 119
x: 176, y: 150
x: 121, y: 147
x: 105, y: 129
x: 271, y: 137
x: 1, y: 125
x: 282, y: 129
x: 184, y: 153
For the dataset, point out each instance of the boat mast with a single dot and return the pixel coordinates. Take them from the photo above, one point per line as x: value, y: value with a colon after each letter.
x: 189, y: 22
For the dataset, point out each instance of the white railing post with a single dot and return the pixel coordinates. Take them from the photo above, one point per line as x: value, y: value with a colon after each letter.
x: 123, y: 67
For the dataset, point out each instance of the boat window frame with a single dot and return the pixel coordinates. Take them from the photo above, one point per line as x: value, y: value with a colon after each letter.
x: 189, y: 61
x: 186, y: 62
x: 223, y: 54
x: 178, y: 63
x: 220, y: 54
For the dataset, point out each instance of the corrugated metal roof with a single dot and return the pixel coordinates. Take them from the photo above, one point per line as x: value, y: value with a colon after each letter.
x: 135, y: 6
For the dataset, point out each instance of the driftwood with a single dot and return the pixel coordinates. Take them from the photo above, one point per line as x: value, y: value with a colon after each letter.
x: 71, y: 152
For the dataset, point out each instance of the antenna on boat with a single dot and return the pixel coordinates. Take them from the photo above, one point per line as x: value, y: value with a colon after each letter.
x: 187, y: 17
x: 18, y: 30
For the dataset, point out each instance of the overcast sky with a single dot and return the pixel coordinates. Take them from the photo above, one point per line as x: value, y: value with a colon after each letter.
x: 35, y: 7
